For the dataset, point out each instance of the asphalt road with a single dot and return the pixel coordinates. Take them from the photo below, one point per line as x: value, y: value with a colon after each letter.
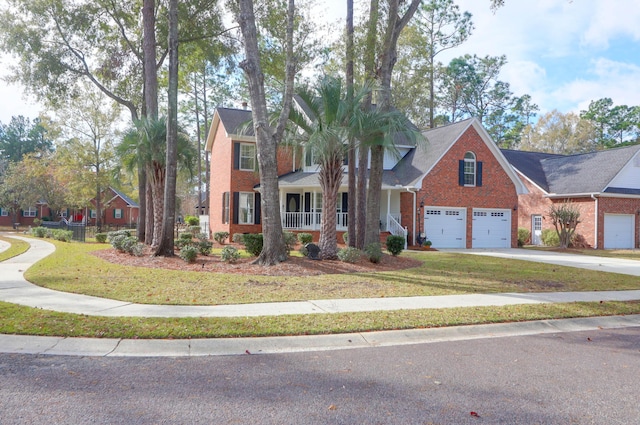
x: 568, y: 378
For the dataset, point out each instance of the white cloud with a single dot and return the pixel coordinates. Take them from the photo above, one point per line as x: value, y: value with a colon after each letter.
x: 612, y: 19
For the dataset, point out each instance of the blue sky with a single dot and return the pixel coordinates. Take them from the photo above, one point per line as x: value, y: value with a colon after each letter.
x: 563, y: 53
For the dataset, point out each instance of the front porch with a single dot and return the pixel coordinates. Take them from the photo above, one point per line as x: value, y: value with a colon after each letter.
x: 301, y: 210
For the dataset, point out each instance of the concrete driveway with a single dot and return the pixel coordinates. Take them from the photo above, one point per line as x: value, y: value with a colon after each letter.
x: 590, y: 262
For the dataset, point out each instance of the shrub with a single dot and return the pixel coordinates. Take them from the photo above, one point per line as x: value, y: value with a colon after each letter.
x: 289, y: 241
x: 230, y: 254
x: 186, y: 236
x: 349, y: 254
x: 238, y: 238
x: 117, y: 241
x: 101, y: 237
x: 303, y: 250
x: 220, y: 237
x: 137, y: 249
x: 191, y: 220
x: 189, y: 253
x: 181, y: 243
x: 395, y: 244
x: 305, y: 238
x: 194, y: 230
x: 550, y: 237
x: 524, y: 236
x: 39, y: 232
x: 111, y: 235
x: 374, y: 251
x: 204, y: 247
x: 128, y: 244
x: 253, y: 243
x: 345, y: 238
x: 62, y: 235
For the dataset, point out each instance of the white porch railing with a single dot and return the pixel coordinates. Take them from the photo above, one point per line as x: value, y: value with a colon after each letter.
x: 395, y: 228
x: 310, y: 220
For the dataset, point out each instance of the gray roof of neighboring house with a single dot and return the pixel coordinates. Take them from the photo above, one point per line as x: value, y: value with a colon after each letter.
x: 234, y: 119
x: 128, y: 200
x: 530, y: 164
x: 573, y: 174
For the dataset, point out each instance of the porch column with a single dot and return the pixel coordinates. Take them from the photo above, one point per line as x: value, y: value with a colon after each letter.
x: 388, y: 207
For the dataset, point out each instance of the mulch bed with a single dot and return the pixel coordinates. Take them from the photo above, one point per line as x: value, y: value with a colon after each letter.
x: 294, y: 266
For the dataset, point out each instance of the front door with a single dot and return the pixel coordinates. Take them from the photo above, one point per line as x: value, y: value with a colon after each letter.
x: 292, y: 211
x: 536, y: 230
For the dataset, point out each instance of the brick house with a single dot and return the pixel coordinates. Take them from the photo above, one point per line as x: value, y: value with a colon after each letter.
x: 604, y: 185
x: 457, y: 188
x: 24, y: 216
x: 117, y: 209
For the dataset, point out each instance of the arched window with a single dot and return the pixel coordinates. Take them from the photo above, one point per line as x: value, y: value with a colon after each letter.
x: 469, y: 169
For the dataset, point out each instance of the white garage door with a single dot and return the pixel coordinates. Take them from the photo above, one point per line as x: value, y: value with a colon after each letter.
x: 491, y: 228
x: 618, y: 231
x: 446, y: 227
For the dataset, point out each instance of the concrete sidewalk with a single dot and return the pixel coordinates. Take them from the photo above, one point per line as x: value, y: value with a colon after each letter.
x: 15, y: 289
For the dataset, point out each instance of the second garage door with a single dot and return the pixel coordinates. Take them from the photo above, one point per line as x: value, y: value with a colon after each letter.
x: 446, y: 227
x: 618, y: 231
x: 491, y: 228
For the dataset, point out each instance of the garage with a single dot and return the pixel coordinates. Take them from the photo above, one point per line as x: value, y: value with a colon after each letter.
x: 491, y: 228
x: 446, y: 227
x: 618, y: 231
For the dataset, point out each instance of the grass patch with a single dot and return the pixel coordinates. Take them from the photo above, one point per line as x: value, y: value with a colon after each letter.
x: 16, y: 319
x: 17, y: 247
x: 73, y: 269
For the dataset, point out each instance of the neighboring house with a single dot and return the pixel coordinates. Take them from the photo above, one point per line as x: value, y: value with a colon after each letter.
x: 458, y: 187
x: 604, y: 185
x: 117, y: 209
x: 25, y: 216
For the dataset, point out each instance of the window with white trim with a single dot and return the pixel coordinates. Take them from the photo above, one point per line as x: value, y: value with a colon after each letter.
x: 246, y: 207
x: 30, y: 212
x: 469, y: 169
x: 4, y: 212
x: 92, y: 214
x: 247, y: 156
x: 117, y: 213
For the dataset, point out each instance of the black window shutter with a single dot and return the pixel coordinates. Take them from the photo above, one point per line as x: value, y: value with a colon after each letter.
x: 236, y: 156
x: 307, y: 202
x: 258, y: 207
x: 479, y: 173
x: 225, y: 200
x: 236, y: 206
x: 345, y: 201
x: 461, y: 172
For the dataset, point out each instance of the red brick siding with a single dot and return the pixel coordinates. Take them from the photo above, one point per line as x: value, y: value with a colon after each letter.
x: 440, y: 187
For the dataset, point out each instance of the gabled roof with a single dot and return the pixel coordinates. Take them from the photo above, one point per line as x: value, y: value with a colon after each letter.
x: 418, y: 163
x: 128, y: 200
x: 530, y: 165
x: 233, y: 121
x: 574, y: 174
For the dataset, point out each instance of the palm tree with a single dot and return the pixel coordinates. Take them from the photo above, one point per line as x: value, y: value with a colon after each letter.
x: 145, y: 144
x: 329, y: 120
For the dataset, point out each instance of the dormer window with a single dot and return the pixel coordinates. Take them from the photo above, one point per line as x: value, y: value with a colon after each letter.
x: 470, y: 171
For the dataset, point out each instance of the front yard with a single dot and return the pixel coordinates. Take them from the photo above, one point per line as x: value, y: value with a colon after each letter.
x: 75, y: 268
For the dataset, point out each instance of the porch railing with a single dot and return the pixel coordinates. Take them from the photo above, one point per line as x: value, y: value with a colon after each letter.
x: 310, y: 220
x: 395, y: 228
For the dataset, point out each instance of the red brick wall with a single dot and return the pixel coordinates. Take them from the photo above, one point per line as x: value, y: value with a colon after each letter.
x: 407, y: 214
x: 440, y: 187
x: 224, y: 178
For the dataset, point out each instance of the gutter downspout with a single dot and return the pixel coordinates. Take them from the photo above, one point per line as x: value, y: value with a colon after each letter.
x: 595, y: 198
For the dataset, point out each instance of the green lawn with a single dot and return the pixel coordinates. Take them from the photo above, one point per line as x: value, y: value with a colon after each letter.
x: 73, y: 269
x: 30, y: 321
x: 17, y: 247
